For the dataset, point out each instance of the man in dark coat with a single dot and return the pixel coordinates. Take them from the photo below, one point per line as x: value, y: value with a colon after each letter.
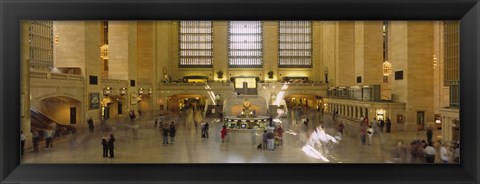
x: 90, y: 124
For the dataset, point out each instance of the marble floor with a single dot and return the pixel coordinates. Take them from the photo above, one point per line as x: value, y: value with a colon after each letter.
x: 240, y: 145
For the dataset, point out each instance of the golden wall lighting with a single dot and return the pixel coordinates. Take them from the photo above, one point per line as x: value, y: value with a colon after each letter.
x: 434, y: 61
x: 107, y: 91
x: 56, y: 39
x: 140, y: 91
x: 387, y: 68
x: 123, y: 91
x: 104, y: 51
x: 149, y: 91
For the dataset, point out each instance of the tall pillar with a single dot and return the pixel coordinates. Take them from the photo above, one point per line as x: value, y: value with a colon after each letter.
x: 270, y: 49
x: 220, y: 48
x: 25, y: 124
x: 412, y: 49
x: 345, y: 65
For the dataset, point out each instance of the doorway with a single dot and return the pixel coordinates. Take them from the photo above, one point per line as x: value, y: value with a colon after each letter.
x: 106, y: 112
x: 420, y: 120
x: 73, y: 115
x: 120, y: 108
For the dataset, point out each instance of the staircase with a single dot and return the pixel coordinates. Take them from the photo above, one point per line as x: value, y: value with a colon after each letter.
x: 40, y: 122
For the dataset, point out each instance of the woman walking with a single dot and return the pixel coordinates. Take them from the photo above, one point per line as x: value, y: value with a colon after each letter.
x: 111, y: 145
x: 223, y: 133
x: 105, y: 145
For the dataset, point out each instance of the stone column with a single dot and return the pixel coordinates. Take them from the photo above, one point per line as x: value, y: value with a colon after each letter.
x: 25, y: 124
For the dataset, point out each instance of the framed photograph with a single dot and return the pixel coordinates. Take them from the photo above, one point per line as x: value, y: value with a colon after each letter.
x: 94, y: 101
x: 308, y: 54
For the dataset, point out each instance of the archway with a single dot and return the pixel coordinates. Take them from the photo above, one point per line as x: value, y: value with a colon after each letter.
x: 113, y: 107
x: 61, y: 109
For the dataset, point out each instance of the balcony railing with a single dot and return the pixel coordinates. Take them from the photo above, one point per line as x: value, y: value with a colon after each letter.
x: 55, y: 76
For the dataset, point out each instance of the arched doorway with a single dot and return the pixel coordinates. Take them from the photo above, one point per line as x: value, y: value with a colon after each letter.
x: 113, y: 107
x: 61, y: 109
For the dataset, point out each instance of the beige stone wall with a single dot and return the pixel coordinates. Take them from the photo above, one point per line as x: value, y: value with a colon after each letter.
x: 359, y: 51
x: 72, y: 44
x: 220, y: 49
x: 373, y: 52
x: 93, y: 66
x: 420, y: 70
x: 162, y: 46
x: 412, y: 51
x: 270, y: 50
x: 399, y: 58
x: 145, y: 51
x: 345, y: 74
x: 118, y: 45
x: 329, y: 50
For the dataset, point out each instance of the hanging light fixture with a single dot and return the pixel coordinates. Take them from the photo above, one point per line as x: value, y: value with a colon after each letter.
x: 387, y: 68
x: 104, y: 47
x: 104, y: 51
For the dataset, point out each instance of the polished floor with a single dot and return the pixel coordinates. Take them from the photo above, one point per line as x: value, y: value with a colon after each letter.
x: 240, y: 145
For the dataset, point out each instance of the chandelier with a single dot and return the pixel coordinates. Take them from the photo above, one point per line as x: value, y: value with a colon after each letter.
x: 387, y: 68
x: 104, y: 51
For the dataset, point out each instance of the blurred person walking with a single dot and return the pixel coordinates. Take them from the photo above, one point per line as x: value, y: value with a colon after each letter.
x: 444, y: 153
x: 389, y: 125
x: 172, y: 132
x: 165, y: 130
x: 370, y: 132
x: 35, y: 140
x: 223, y: 133
x: 22, y: 142
x: 429, y: 154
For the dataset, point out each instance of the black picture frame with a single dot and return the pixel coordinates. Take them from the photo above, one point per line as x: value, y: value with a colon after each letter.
x: 94, y: 101
x: 12, y: 12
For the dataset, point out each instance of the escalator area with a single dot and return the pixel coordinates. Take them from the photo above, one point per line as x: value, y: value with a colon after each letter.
x: 41, y: 122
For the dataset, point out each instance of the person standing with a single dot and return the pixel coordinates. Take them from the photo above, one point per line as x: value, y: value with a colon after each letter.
x: 90, y: 124
x: 223, y: 133
x: 429, y: 154
x: 111, y: 145
x: 370, y: 132
x: 280, y: 134
x: 156, y: 122
x: 48, y: 138
x: 105, y: 145
x: 270, y: 140
x: 165, y: 133
x: 306, y: 124
x: 413, y: 151
x: 444, y: 153
x: 429, y: 134
x: 264, y: 136
x: 22, y: 142
x: 206, y: 129
x: 389, y: 125
x: 457, y: 153
x: 172, y: 132
x: 35, y: 139
x: 340, y: 128
x: 382, y: 124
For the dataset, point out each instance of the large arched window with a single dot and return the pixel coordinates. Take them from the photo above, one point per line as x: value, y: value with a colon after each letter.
x: 245, y: 48
x: 195, y: 42
x: 295, y: 44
